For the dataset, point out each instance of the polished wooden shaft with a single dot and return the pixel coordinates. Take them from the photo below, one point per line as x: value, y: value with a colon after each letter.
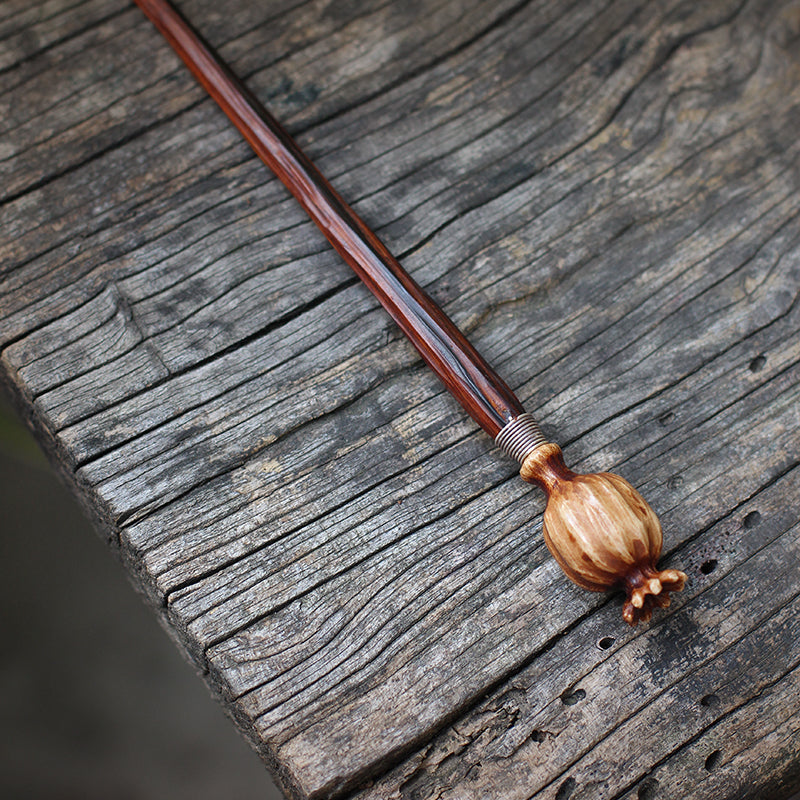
x: 483, y: 394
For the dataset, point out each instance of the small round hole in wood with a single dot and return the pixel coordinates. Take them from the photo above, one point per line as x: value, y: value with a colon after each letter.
x: 566, y: 789
x: 751, y: 520
x: 606, y: 642
x: 712, y: 760
x: 757, y: 364
x: 572, y: 696
x: 647, y: 789
x: 707, y: 567
x: 710, y: 701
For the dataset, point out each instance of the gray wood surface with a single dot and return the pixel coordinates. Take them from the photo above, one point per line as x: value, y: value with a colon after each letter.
x: 605, y: 196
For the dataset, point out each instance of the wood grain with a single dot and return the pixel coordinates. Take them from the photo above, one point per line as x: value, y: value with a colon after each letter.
x: 604, y: 196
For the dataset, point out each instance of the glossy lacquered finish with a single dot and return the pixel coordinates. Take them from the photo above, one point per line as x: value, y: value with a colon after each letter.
x: 603, y: 533
x: 483, y: 394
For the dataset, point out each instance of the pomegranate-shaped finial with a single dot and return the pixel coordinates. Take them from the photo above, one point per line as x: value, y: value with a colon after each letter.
x: 603, y: 533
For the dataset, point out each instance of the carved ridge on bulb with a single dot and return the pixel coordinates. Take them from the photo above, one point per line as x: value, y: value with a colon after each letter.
x: 602, y: 533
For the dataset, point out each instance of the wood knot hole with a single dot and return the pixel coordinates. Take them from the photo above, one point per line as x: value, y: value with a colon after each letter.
x: 710, y: 701
x: 757, y: 364
x: 606, y: 642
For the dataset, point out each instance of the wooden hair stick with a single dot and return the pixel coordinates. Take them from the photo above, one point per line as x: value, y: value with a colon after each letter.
x: 598, y: 527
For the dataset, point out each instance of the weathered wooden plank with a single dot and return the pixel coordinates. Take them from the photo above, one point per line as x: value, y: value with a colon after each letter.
x: 591, y: 715
x: 605, y: 195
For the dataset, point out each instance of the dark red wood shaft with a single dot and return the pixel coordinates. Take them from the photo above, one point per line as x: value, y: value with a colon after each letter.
x: 484, y: 395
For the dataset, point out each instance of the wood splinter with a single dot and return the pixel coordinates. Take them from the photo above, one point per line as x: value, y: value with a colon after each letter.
x: 598, y: 527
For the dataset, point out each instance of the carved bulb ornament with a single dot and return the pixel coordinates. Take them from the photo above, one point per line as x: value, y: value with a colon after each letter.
x: 602, y: 533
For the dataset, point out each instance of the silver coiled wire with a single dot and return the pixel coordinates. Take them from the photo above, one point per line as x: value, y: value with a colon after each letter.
x: 520, y: 437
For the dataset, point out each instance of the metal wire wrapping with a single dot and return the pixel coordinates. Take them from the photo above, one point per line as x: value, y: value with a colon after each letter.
x: 520, y: 437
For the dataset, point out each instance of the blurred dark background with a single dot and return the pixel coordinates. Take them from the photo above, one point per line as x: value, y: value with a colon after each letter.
x: 95, y: 700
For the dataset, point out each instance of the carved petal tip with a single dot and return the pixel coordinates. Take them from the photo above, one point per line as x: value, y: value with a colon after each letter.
x: 647, y: 588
